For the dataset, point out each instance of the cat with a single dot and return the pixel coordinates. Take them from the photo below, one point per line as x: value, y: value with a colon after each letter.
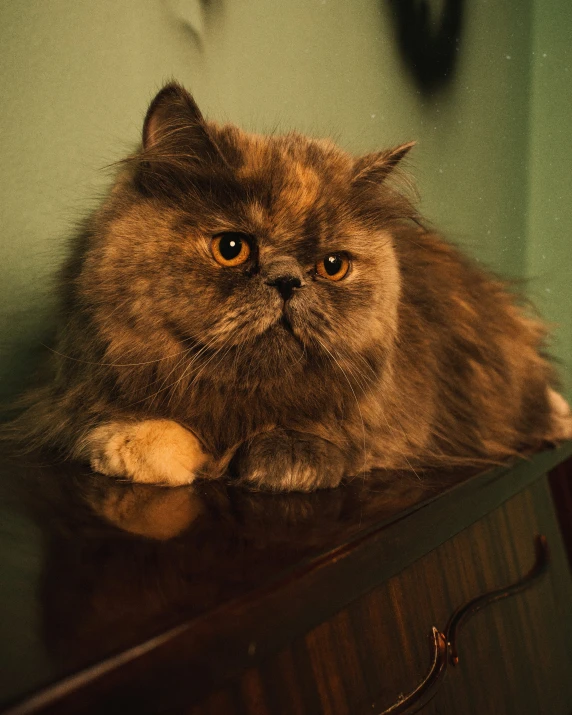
x: 275, y: 309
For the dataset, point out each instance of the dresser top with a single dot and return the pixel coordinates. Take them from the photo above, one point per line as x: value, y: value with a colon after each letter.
x: 101, y: 579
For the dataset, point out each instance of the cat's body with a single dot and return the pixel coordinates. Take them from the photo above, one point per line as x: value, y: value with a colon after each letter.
x: 272, y: 304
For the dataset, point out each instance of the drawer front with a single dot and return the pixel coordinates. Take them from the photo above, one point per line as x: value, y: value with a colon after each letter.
x: 515, y: 654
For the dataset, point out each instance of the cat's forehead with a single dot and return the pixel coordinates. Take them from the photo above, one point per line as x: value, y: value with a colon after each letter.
x: 293, y: 184
x: 254, y: 153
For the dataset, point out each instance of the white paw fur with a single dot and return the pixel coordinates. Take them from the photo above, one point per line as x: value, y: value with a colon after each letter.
x: 561, y: 416
x: 151, y: 452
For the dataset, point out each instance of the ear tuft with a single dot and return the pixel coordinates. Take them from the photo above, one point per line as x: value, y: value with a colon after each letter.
x: 172, y: 111
x: 374, y: 168
x: 178, y: 144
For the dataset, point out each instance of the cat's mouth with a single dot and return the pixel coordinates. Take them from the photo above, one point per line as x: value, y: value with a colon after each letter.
x: 285, y: 323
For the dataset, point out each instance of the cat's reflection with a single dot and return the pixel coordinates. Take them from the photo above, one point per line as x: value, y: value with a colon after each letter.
x: 161, y: 513
x: 125, y: 561
x: 152, y: 512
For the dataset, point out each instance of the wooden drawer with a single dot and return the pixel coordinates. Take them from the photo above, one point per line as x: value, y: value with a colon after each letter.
x: 515, y: 655
x: 217, y: 601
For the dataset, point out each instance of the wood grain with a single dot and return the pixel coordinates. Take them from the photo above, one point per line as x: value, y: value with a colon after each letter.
x: 515, y: 656
x: 253, y: 603
x: 561, y: 486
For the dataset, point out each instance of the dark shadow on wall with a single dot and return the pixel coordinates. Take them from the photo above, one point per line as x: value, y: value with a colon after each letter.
x: 24, y: 365
x: 429, y: 40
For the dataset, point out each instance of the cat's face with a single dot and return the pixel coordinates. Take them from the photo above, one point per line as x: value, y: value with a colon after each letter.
x: 269, y: 248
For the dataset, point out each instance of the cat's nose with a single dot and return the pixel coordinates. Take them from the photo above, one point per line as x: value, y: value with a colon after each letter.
x: 285, y: 285
x: 285, y: 274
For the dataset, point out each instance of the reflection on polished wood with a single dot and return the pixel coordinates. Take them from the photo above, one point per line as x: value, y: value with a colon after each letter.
x: 214, y: 599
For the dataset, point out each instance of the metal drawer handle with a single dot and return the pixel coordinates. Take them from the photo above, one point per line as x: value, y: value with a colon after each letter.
x: 444, y: 644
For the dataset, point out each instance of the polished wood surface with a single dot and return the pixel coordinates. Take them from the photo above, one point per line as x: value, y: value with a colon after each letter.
x: 561, y: 487
x: 120, y: 598
x: 514, y: 656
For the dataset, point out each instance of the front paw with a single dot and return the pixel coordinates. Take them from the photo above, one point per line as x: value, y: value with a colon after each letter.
x: 284, y: 460
x: 561, y: 417
x: 150, y: 451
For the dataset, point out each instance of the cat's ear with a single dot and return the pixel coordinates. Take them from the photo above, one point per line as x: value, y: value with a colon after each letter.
x: 374, y: 168
x: 175, y: 126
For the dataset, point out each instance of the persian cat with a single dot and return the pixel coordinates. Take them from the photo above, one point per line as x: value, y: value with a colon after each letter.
x: 275, y: 309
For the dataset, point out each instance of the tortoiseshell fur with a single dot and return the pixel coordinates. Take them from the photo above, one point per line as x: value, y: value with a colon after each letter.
x: 418, y: 358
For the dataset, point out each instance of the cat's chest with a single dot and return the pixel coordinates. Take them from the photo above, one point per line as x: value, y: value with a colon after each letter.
x: 225, y: 416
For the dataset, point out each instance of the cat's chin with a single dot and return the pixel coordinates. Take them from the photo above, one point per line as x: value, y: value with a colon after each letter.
x: 285, y: 331
x: 284, y: 324
x: 281, y: 342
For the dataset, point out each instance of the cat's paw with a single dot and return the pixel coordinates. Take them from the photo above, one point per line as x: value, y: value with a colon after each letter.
x: 283, y: 460
x: 561, y: 416
x: 151, y: 452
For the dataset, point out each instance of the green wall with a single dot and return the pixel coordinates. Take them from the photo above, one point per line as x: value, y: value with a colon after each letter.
x: 549, y: 247
x: 77, y: 77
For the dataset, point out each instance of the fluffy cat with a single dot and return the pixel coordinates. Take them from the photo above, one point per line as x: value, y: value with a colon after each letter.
x: 274, y: 308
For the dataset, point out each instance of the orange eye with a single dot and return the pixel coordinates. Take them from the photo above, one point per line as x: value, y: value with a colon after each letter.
x: 231, y: 248
x: 334, y: 266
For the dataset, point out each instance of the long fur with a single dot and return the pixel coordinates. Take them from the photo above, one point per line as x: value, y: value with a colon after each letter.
x: 418, y: 358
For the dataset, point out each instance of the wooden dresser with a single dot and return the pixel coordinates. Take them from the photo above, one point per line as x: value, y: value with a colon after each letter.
x: 449, y: 593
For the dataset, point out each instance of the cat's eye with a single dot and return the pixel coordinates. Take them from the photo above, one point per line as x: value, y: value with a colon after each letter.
x: 230, y: 248
x: 334, y: 266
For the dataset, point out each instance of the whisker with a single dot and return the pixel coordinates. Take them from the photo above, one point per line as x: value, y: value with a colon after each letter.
x: 202, y: 369
x: 191, y: 362
x: 364, y: 470
x: 116, y: 364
